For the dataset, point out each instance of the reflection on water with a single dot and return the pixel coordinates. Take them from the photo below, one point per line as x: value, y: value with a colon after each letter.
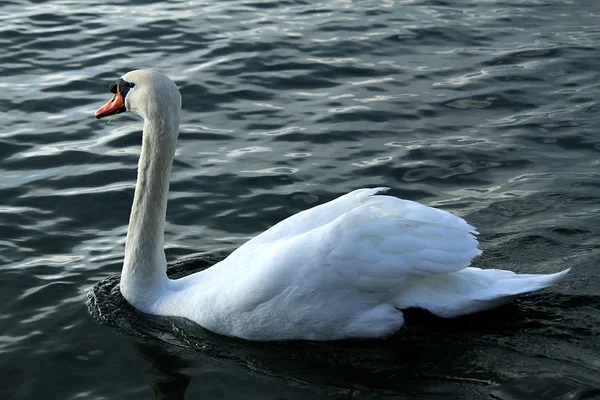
x: 170, y: 383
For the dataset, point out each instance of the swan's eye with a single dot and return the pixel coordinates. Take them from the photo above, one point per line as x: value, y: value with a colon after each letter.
x: 130, y: 84
x: 113, y: 87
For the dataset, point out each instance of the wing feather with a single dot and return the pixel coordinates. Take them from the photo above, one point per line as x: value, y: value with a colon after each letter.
x: 374, y: 242
x: 384, y: 241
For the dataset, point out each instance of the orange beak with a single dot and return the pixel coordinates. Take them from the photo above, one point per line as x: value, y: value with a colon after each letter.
x: 115, y: 105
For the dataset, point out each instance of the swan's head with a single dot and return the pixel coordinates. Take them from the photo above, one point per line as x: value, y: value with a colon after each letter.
x: 144, y: 92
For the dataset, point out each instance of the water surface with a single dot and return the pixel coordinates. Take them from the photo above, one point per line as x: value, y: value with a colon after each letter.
x: 488, y: 109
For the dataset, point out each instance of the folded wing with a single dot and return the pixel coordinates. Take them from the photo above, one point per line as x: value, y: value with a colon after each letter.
x: 384, y: 241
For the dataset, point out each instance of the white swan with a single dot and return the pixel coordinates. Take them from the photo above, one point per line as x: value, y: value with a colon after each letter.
x: 343, y: 269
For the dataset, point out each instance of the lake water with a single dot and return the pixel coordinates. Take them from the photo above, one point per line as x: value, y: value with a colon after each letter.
x: 487, y: 109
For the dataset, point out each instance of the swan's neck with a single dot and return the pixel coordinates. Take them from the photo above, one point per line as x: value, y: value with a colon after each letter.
x: 144, y: 267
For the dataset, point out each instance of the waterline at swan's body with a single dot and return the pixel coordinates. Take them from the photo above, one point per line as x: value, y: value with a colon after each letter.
x: 343, y: 269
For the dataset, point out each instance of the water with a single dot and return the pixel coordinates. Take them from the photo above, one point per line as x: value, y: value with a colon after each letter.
x: 487, y: 109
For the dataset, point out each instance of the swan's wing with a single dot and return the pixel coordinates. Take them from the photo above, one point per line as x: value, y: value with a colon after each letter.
x: 384, y: 241
x: 292, y: 253
x: 374, y: 243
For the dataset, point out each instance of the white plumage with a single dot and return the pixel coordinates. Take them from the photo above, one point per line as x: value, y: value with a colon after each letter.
x: 343, y: 269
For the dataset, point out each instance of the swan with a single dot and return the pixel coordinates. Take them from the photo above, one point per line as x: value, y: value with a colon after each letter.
x: 340, y: 270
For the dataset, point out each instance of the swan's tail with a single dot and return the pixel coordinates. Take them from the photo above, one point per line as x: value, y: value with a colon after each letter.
x: 470, y: 290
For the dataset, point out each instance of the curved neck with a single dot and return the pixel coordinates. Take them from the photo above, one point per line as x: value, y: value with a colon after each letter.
x: 145, y: 264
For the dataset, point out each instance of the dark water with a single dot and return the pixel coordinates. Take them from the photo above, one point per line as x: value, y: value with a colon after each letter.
x: 488, y: 109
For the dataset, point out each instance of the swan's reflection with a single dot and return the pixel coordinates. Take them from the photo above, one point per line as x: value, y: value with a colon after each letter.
x: 308, y: 370
x: 171, y: 383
